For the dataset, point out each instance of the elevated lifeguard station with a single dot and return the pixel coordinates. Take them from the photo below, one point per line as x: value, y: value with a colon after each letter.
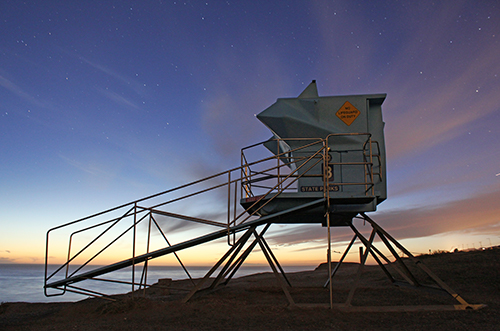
x: 327, y: 166
x: 335, y: 147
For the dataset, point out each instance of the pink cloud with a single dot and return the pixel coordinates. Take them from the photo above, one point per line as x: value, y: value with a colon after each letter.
x: 478, y: 214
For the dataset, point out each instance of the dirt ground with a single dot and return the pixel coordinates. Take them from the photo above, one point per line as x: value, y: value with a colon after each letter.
x: 257, y: 302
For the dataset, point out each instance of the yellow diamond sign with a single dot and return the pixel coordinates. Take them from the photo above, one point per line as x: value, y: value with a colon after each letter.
x: 348, y: 113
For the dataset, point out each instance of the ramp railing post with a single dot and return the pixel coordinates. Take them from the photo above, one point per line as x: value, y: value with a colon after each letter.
x: 146, y: 262
x: 133, y: 246
x: 229, y: 208
x: 326, y: 195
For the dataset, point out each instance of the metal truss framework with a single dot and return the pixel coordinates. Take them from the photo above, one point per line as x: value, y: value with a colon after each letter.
x: 230, y: 263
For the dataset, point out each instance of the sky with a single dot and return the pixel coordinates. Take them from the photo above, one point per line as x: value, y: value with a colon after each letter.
x: 105, y: 102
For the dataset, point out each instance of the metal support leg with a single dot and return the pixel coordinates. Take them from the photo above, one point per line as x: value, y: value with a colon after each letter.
x: 270, y: 261
x: 227, y: 265
x: 398, y: 259
x: 239, y: 243
x: 275, y: 260
x: 376, y: 253
x: 422, y: 266
x: 360, y: 270
x: 337, y: 266
x: 239, y: 262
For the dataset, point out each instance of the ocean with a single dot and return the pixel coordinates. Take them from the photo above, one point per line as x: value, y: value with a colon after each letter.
x: 24, y: 282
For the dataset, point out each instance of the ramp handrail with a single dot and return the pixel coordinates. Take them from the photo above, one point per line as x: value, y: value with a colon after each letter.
x: 274, y: 174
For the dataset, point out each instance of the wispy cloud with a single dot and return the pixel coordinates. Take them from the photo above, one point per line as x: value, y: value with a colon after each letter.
x: 118, y: 98
x: 473, y: 215
x: 91, y: 169
x: 458, y: 170
x: 477, y: 215
x: 135, y: 85
x: 17, y: 90
x: 433, y: 100
x: 235, y: 95
x: 445, y: 112
x: 6, y: 260
x: 97, y: 172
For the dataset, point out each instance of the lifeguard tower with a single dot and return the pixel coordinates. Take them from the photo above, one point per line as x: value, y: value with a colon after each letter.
x: 327, y: 166
x: 334, y: 146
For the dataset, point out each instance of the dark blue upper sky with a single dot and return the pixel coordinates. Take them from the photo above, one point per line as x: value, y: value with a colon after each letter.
x: 103, y: 102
